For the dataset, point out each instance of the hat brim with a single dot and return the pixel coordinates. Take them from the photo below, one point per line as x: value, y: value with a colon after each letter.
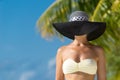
x: 70, y: 29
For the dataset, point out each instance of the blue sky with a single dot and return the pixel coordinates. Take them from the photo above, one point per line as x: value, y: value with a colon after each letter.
x: 24, y: 55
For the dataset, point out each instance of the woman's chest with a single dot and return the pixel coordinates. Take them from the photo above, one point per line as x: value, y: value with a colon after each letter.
x: 78, y: 53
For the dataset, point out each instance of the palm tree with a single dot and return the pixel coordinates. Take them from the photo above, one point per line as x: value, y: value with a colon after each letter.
x: 98, y: 10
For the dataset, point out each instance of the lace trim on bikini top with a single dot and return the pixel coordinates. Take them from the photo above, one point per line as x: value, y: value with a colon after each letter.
x: 87, y: 66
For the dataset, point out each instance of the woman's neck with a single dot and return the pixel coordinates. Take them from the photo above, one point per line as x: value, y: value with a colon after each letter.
x: 80, y: 41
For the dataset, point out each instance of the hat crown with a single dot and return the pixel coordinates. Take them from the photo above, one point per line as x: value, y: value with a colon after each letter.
x: 78, y: 16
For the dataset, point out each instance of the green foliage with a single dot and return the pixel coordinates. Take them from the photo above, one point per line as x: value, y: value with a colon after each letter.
x: 99, y: 10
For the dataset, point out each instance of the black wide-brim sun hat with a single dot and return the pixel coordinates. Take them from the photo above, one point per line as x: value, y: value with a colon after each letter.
x: 70, y: 29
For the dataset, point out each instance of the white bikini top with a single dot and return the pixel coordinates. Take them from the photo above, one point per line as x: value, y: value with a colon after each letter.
x: 87, y: 66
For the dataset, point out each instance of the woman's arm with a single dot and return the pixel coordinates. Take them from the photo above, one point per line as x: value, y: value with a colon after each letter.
x: 59, y: 72
x: 101, y: 71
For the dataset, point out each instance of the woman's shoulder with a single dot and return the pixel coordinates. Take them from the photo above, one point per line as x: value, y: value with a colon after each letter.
x: 61, y: 49
x: 99, y: 50
x: 60, y: 52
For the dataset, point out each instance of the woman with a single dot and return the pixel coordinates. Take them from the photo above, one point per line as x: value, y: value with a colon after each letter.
x: 80, y: 60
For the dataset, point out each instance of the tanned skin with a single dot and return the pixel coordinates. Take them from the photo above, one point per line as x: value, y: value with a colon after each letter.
x: 78, y: 50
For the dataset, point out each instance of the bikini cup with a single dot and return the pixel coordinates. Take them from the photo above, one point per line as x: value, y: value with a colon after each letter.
x: 87, y: 66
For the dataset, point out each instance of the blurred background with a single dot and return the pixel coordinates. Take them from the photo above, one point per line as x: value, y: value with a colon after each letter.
x: 28, y: 42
